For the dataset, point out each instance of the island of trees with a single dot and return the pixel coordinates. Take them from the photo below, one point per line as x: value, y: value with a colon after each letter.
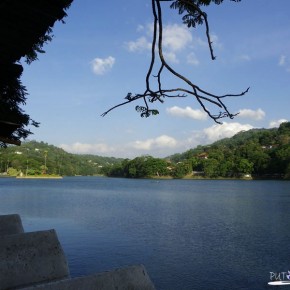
x: 257, y: 153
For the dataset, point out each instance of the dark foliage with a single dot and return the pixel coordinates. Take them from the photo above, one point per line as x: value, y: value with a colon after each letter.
x: 25, y: 27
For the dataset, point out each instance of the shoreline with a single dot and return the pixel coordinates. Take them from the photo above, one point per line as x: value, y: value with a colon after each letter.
x: 39, y: 177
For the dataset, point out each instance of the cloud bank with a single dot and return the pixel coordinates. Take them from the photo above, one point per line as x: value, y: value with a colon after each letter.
x: 276, y: 123
x: 160, y: 146
x: 163, y: 141
x: 226, y: 130
x: 85, y: 148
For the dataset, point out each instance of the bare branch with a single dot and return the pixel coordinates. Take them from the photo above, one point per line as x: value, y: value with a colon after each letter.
x: 195, y: 16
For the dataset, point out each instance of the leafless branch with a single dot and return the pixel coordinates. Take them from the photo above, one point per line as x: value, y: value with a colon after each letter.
x: 202, y: 96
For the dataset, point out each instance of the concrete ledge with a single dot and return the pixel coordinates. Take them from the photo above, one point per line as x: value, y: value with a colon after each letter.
x: 10, y: 224
x: 129, y: 278
x: 31, y: 258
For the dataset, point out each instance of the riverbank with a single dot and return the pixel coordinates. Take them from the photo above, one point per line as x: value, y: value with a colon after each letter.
x: 40, y: 177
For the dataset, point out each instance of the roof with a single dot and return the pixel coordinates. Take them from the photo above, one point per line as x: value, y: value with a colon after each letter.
x: 25, y: 26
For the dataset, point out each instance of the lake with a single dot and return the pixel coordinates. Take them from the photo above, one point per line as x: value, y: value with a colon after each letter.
x: 189, y: 234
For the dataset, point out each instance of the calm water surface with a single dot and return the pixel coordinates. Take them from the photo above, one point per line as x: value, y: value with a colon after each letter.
x: 188, y: 234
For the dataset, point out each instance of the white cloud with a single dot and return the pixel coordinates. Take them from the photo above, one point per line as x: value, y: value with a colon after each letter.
x: 140, y: 44
x: 226, y: 130
x: 251, y: 114
x: 160, y: 142
x: 84, y: 148
x: 154, y: 146
x: 187, y: 112
x: 192, y: 59
x: 102, y: 65
x: 176, y: 37
x: 160, y: 146
x: 171, y: 57
x: 276, y: 123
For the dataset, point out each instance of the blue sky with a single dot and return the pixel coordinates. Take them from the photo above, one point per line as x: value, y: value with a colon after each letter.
x: 103, y: 52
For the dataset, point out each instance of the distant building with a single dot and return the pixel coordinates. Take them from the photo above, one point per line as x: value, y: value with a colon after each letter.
x: 203, y: 155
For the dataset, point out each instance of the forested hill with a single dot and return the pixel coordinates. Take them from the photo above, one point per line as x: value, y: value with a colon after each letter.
x: 34, y: 158
x: 258, y: 153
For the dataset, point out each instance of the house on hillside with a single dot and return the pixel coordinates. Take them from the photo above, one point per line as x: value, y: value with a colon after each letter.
x: 203, y: 155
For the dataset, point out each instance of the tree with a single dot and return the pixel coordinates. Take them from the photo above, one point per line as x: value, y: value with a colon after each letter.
x: 45, y: 158
x: 20, y: 40
x: 12, y: 171
x: 211, y: 167
x: 181, y: 169
x: 244, y: 166
x: 193, y: 15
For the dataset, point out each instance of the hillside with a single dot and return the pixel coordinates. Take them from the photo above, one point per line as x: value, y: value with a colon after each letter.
x: 257, y: 153
x: 33, y: 158
x: 260, y: 152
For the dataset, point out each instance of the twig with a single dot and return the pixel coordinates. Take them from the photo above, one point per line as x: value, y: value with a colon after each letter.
x: 202, y: 96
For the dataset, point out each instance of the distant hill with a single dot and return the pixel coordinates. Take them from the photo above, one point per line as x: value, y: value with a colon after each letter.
x: 261, y: 152
x: 34, y: 158
x: 257, y: 153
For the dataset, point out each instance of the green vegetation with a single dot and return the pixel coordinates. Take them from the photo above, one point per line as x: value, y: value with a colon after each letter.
x: 38, y: 158
x: 257, y: 153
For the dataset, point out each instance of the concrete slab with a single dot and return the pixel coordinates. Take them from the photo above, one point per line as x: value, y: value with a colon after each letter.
x: 30, y: 258
x: 10, y: 224
x: 129, y: 278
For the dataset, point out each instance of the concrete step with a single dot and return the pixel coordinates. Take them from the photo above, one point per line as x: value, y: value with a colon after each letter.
x: 129, y: 278
x: 36, y: 261
x: 31, y: 258
x: 10, y: 224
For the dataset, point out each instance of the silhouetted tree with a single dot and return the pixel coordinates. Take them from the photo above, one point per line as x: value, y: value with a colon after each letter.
x: 24, y: 31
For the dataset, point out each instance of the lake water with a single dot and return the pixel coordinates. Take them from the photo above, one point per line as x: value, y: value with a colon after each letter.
x: 188, y: 234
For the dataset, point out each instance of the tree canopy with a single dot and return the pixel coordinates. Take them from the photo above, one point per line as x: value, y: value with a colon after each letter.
x: 260, y: 153
x: 25, y: 27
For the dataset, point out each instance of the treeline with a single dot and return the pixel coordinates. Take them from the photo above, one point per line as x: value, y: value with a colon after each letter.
x: 36, y: 158
x: 258, y: 153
